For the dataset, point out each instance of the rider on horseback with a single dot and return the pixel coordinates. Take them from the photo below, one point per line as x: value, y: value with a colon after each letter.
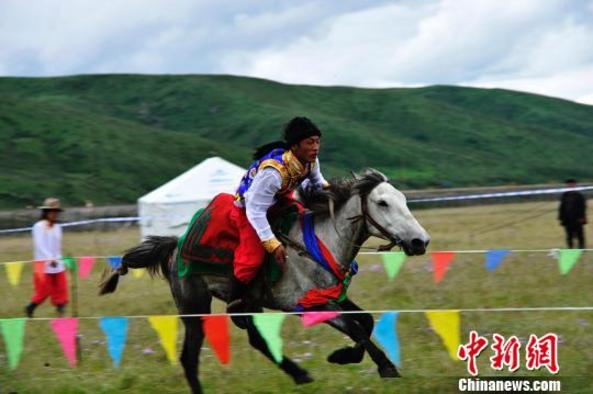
x: 279, y: 168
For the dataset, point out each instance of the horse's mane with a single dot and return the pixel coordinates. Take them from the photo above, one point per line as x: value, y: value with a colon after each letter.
x: 341, y: 190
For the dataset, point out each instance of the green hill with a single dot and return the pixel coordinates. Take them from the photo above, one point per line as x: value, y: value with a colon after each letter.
x: 111, y: 138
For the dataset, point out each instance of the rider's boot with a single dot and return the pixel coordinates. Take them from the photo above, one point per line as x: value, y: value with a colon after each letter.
x: 236, y: 304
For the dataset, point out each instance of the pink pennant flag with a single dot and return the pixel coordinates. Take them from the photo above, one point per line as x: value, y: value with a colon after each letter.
x: 85, y: 265
x: 65, y: 330
x: 441, y: 262
x: 311, y: 318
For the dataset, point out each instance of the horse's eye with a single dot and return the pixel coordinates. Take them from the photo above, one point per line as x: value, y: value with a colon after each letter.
x: 383, y: 203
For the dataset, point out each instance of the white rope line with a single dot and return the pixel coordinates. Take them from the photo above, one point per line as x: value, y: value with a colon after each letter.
x: 501, y: 194
x: 477, y: 251
x: 80, y: 223
x: 487, y: 250
x: 417, y: 200
x: 376, y: 311
x: 59, y: 258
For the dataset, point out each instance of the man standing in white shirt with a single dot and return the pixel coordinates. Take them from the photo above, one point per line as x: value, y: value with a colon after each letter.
x: 279, y: 168
x: 47, y: 250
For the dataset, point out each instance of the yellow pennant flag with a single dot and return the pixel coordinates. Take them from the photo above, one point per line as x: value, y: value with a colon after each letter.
x: 137, y: 273
x: 166, y: 327
x: 13, y: 271
x: 447, y: 325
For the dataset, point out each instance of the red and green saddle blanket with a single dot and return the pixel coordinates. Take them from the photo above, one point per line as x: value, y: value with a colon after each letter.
x: 208, y: 244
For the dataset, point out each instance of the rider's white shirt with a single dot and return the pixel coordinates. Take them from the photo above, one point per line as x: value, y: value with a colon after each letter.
x: 262, y: 195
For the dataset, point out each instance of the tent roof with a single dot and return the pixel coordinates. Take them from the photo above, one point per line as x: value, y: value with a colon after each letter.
x: 202, y: 182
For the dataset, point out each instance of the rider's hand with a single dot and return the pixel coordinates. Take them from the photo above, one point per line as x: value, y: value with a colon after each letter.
x: 280, y: 256
x: 53, y: 264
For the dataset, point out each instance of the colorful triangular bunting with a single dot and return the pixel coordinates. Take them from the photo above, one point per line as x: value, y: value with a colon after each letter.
x: 13, y: 332
x: 386, y: 333
x: 86, y: 266
x: 568, y: 258
x: 494, y: 258
x: 114, y: 261
x: 166, y: 328
x: 312, y: 318
x: 70, y: 263
x: 116, y: 331
x: 65, y: 330
x: 447, y: 325
x: 441, y: 262
x: 269, y: 326
x: 39, y: 271
x: 13, y: 272
x: 392, y: 262
x: 216, y: 329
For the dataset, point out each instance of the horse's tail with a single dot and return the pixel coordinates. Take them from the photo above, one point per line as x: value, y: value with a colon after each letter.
x: 153, y: 254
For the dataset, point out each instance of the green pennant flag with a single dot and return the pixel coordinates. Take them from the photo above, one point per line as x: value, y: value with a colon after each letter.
x: 392, y: 262
x: 568, y: 258
x: 13, y: 332
x: 269, y: 326
x: 70, y: 263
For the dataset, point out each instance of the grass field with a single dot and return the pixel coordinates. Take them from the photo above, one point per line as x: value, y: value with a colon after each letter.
x: 523, y: 280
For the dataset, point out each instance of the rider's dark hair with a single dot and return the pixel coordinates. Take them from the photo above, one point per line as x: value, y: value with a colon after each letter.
x: 267, y: 148
x: 295, y: 131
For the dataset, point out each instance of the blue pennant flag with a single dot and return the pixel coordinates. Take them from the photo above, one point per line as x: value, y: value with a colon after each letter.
x: 495, y: 257
x: 116, y: 331
x: 386, y: 334
x: 114, y: 261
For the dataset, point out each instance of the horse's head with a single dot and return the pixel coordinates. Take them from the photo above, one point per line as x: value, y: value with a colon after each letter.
x: 387, y: 215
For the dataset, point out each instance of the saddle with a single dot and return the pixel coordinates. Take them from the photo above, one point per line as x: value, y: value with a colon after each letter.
x: 209, y: 242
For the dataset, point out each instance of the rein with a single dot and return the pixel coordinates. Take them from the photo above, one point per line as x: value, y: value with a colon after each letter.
x: 365, y: 216
x: 369, y: 219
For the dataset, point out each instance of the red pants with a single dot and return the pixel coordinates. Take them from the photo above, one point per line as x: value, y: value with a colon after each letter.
x: 249, y: 255
x: 50, y: 285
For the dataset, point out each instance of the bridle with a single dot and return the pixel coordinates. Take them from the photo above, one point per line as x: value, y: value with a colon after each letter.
x: 367, y: 218
x: 364, y: 216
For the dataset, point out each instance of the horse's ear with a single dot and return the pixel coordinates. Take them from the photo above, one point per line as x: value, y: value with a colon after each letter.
x: 376, y: 173
x: 355, y: 176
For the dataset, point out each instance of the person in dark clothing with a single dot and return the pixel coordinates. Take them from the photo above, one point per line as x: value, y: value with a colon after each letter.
x: 573, y: 214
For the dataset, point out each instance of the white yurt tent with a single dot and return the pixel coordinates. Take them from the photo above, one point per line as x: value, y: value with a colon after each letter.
x: 168, y: 209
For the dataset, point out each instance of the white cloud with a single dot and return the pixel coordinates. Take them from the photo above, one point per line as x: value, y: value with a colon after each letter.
x: 540, y: 46
x: 575, y: 84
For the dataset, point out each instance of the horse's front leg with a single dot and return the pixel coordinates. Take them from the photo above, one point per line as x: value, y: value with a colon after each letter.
x: 359, y: 327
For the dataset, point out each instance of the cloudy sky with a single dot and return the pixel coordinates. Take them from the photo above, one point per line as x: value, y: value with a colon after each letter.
x: 540, y: 46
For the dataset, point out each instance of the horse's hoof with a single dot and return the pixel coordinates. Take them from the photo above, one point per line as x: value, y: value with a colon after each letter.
x: 389, y: 372
x: 303, y: 379
x: 346, y: 355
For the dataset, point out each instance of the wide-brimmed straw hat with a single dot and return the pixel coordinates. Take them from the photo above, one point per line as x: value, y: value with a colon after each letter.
x: 51, y: 204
